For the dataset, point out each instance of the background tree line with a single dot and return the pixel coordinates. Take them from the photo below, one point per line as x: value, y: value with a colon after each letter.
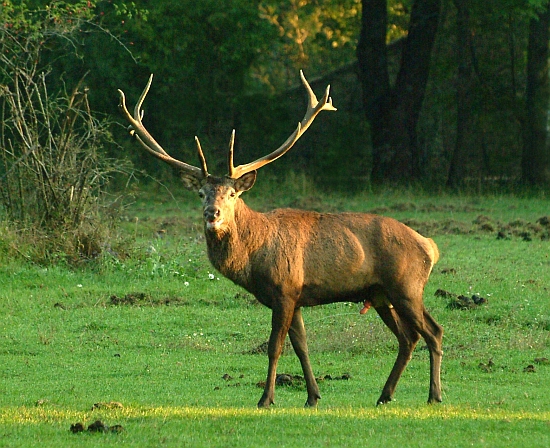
x: 439, y: 92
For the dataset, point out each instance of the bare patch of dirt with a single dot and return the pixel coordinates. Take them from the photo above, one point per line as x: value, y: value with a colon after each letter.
x: 97, y: 426
x: 262, y: 349
x: 461, y: 302
x: 441, y: 227
x: 484, y: 225
x: 229, y: 380
x: 425, y: 208
x: 145, y: 299
x: 77, y: 427
x: 287, y: 379
x: 107, y: 405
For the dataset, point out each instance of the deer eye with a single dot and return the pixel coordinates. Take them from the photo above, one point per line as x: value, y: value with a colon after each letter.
x: 232, y: 194
x: 201, y: 194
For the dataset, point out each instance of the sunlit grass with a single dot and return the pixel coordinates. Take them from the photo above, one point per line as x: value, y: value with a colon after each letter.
x: 34, y: 415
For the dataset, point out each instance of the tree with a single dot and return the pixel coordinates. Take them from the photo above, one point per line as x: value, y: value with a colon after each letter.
x: 393, y: 110
x: 464, y: 92
x: 535, y: 161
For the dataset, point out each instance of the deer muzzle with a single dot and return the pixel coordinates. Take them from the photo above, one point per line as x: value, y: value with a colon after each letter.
x: 212, y: 217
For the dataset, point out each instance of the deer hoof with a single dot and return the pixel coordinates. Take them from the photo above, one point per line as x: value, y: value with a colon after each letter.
x: 383, y: 400
x: 265, y: 403
x: 311, y: 402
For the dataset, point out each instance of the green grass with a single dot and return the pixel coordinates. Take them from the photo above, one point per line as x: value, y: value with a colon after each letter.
x: 149, y: 328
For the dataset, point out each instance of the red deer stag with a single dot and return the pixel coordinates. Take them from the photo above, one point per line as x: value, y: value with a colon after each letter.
x: 289, y: 259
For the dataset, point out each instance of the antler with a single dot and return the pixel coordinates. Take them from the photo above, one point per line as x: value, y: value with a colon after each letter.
x: 313, y: 108
x: 137, y: 130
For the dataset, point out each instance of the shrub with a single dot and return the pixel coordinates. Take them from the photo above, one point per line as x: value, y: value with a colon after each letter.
x: 53, y: 172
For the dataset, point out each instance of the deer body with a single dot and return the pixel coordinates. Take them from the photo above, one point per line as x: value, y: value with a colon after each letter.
x: 323, y: 258
x: 289, y: 259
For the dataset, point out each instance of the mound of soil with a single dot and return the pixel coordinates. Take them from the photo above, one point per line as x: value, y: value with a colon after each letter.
x: 483, y: 225
x: 461, y: 302
x: 287, y: 379
x: 97, y: 426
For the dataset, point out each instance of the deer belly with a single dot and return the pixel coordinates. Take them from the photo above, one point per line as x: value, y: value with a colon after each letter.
x: 341, y: 290
x: 312, y: 296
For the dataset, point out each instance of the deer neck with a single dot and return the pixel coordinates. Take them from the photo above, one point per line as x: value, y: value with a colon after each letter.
x: 230, y: 251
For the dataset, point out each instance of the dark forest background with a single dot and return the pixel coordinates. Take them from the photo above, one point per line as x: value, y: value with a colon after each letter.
x: 441, y: 93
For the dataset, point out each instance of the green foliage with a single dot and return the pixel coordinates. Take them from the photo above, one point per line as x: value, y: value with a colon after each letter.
x: 53, y: 169
x: 225, y: 65
x: 315, y: 36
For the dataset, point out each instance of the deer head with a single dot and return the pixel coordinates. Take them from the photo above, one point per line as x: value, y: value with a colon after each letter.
x: 220, y: 194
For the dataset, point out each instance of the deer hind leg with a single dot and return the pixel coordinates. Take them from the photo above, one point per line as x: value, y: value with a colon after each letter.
x: 280, y: 322
x: 297, y: 333
x: 434, y: 339
x: 407, y: 339
x: 416, y: 317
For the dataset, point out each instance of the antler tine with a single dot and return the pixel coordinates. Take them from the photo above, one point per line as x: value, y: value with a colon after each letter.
x: 141, y: 134
x: 313, y: 109
x: 231, y: 168
x: 201, y: 158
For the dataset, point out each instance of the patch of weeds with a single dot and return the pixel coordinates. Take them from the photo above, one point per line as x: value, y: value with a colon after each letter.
x: 494, y: 319
x: 94, y: 327
x: 488, y: 366
x: 542, y: 324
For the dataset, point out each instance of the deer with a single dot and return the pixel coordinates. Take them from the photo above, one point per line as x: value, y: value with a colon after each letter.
x: 289, y: 259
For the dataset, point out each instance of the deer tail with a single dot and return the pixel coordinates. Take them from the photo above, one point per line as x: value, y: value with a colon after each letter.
x: 435, y: 251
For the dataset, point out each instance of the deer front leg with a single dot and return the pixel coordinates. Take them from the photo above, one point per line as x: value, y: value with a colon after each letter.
x: 280, y: 323
x: 297, y: 333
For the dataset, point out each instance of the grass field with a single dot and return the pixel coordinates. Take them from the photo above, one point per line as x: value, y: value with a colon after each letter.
x: 151, y: 338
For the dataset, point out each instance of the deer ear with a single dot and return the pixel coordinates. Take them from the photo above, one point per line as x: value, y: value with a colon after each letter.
x: 190, y: 181
x: 246, y: 181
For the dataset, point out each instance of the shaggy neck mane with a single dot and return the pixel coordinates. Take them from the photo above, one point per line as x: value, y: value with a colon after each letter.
x: 229, y: 251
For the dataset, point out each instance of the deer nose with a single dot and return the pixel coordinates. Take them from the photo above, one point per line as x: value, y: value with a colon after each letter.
x: 211, y: 213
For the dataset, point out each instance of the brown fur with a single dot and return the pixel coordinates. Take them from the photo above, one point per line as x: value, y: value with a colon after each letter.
x: 289, y: 259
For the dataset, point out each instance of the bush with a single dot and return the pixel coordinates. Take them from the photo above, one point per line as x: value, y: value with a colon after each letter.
x: 53, y: 172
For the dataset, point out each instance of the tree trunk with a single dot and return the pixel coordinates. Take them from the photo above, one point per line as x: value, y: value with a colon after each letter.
x: 393, y: 112
x: 535, y: 163
x: 459, y: 159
